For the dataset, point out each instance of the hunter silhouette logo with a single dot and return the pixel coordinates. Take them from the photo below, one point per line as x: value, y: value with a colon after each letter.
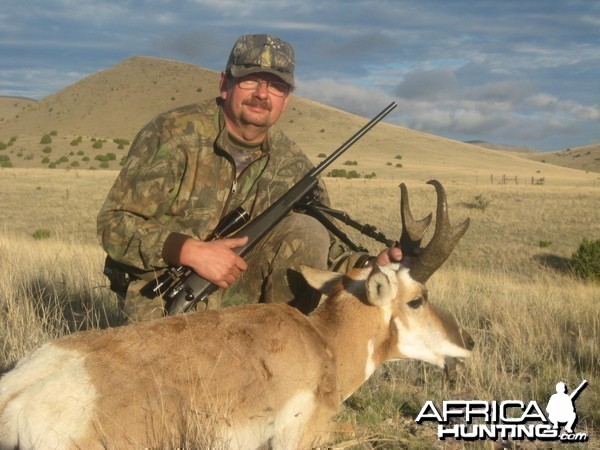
x: 561, y: 407
x: 516, y: 420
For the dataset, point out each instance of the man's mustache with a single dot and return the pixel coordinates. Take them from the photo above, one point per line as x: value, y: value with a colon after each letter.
x: 257, y: 102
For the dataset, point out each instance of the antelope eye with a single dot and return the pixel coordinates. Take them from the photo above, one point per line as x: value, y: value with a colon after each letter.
x: 414, y: 304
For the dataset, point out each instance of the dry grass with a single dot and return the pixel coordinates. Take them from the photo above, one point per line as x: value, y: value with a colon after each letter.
x: 533, y: 323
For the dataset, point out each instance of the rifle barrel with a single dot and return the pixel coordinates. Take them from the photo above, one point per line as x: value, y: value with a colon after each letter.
x: 341, y: 149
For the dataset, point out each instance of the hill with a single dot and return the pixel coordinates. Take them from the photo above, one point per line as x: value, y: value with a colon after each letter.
x: 506, y: 148
x: 83, y: 120
x: 12, y: 106
x: 583, y: 158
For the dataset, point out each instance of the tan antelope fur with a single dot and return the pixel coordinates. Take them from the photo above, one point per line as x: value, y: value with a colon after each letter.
x: 248, y: 377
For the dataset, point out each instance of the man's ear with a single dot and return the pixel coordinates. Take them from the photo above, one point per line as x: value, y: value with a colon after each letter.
x: 285, y: 103
x: 223, y: 85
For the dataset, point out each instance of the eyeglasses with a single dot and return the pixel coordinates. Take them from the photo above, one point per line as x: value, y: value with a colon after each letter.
x: 276, y: 88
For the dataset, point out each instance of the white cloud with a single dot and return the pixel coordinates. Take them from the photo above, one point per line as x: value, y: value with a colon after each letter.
x: 362, y: 100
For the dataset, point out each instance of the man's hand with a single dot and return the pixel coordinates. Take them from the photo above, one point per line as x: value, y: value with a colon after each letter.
x: 389, y: 255
x: 215, y: 260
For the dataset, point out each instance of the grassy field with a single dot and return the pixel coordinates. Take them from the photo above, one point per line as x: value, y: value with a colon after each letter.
x: 507, y: 283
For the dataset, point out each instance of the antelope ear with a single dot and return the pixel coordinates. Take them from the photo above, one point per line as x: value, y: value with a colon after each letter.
x: 322, y: 280
x: 380, y: 291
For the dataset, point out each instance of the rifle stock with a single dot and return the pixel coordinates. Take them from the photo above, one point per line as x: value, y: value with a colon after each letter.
x: 192, y: 288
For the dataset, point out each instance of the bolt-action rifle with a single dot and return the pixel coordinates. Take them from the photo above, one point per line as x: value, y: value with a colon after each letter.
x: 183, y: 288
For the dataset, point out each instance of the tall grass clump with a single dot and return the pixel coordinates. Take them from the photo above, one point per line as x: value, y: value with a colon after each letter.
x: 49, y: 288
x: 585, y: 262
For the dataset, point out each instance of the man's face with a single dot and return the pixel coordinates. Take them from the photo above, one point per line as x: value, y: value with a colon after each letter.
x: 252, y: 109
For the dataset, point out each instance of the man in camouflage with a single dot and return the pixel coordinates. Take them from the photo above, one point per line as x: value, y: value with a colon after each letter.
x: 189, y: 167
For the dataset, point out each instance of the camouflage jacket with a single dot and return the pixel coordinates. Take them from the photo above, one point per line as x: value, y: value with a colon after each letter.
x: 178, y: 178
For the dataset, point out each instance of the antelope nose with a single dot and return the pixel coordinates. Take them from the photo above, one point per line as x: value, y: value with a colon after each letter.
x: 467, y: 340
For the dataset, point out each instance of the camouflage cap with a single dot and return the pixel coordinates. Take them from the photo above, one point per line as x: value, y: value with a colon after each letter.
x: 254, y: 53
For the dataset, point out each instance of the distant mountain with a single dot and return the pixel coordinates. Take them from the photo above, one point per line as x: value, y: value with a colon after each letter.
x: 90, y: 124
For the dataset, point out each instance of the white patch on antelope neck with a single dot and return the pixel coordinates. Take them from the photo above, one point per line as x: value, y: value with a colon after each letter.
x: 371, y: 364
x: 50, y: 399
x: 281, y: 430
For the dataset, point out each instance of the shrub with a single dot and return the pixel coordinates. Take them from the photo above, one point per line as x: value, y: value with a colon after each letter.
x: 351, y: 163
x: 585, y: 262
x: 3, y: 146
x: 544, y: 243
x: 97, y: 144
x: 341, y: 173
x: 338, y: 173
x: 121, y: 143
x: 398, y: 157
x: 321, y: 155
x: 47, y: 149
x: 46, y: 139
x: 41, y: 233
x: 480, y: 202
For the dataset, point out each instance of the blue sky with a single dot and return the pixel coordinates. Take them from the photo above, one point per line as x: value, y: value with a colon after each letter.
x: 512, y: 72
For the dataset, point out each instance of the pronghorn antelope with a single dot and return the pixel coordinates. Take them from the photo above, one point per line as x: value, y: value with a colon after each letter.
x: 253, y: 376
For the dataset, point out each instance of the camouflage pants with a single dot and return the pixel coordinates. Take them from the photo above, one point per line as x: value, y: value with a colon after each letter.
x: 272, y: 274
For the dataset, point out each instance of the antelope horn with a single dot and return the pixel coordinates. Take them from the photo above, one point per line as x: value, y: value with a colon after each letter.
x: 423, y: 262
